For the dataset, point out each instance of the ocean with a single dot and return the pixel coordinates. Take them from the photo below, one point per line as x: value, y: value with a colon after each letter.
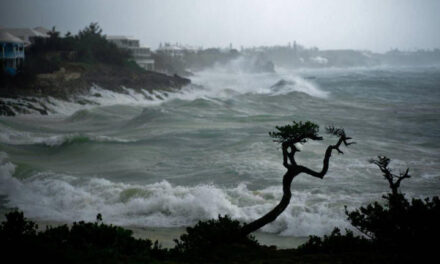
x: 168, y: 160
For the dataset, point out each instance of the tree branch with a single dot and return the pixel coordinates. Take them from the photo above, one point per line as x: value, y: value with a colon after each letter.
x: 328, y: 153
x: 382, y: 162
x: 288, y: 157
x: 288, y: 136
x: 402, y: 176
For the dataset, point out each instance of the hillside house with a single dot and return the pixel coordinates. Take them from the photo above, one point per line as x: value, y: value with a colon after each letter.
x: 141, y: 55
x: 12, y: 52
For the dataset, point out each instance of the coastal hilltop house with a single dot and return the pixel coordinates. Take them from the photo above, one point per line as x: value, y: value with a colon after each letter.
x: 12, y: 53
x: 13, y: 42
x: 141, y: 55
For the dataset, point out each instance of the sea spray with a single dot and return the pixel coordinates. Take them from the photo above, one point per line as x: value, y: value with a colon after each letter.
x: 56, y: 197
x: 98, y: 96
x: 171, y: 159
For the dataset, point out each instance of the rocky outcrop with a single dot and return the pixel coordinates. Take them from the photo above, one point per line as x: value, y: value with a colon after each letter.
x: 114, y: 78
x: 77, y: 79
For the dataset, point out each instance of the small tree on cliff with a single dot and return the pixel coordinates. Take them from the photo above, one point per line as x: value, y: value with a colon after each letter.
x: 288, y: 136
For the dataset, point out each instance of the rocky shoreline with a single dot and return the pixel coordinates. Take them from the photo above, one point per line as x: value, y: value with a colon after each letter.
x: 75, y: 79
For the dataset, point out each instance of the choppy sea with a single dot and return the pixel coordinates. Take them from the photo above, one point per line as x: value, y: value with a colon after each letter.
x: 180, y: 157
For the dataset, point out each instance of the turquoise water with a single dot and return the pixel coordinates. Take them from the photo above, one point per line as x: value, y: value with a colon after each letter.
x: 204, y: 151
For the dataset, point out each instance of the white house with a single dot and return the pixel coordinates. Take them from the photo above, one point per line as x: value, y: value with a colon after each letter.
x: 142, y: 55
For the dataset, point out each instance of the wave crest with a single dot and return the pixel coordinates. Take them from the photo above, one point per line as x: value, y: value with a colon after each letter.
x: 56, y: 197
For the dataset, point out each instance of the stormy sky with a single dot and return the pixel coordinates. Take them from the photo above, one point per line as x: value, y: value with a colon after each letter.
x: 377, y: 25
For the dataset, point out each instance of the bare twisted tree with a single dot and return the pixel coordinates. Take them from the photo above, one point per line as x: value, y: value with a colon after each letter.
x: 393, y: 179
x: 288, y: 136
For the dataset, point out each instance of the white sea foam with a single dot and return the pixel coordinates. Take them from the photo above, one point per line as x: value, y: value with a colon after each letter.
x: 210, y: 84
x: 49, y: 196
x: 216, y: 131
x: 216, y: 82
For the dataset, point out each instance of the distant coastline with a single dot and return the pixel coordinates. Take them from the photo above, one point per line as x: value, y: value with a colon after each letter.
x: 48, y: 65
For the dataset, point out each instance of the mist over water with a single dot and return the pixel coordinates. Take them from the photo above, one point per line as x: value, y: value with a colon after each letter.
x: 173, y: 159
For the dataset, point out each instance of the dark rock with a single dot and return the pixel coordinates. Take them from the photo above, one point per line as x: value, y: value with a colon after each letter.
x: 75, y: 79
x: 281, y: 83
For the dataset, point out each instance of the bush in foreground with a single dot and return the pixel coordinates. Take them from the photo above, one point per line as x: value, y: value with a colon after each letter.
x: 399, y: 229
x: 80, y: 243
x: 215, y: 240
x: 336, y: 243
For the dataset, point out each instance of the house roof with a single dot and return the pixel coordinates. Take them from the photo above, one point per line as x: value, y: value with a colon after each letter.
x: 9, y: 38
x: 24, y: 32
x: 42, y: 30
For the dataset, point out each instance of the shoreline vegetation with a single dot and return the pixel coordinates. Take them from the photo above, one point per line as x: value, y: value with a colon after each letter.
x: 63, y: 67
x: 395, y: 230
x: 166, y: 235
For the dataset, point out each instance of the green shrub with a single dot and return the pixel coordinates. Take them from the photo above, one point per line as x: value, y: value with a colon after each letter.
x: 399, y: 229
x: 214, y: 240
x: 297, y: 132
x: 335, y: 243
x: 81, y: 243
x: 16, y: 227
x: 407, y: 225
x: 89, y: 45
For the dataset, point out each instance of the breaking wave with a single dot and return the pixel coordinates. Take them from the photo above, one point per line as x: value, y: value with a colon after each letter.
x: 209, y: 84
x: 171, y: 159
x: 48, y: 196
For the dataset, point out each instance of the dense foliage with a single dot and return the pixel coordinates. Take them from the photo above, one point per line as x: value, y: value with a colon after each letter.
x: 401, y: 233
x: 212, y: 241
x: 48, y: 55
x: 89, y: 45
x: 216, y: 239
x: 297, y: 132
x: 335, y: 243
x: 80, y: 243
x: 400, y: 225
x: 402, y: 230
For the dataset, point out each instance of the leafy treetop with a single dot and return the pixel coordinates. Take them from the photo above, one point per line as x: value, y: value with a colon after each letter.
x: 298, y: 132
x: 93, y: 30
x: 336, y: 131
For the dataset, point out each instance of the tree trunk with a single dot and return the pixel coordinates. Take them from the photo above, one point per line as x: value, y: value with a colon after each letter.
x: 275, y: 212
x: 292, y: 170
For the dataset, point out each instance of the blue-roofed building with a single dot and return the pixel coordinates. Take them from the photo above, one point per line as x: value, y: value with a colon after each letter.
x: 11, y: 53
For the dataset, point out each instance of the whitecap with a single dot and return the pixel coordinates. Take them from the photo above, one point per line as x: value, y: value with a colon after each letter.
x: 49, y: 196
